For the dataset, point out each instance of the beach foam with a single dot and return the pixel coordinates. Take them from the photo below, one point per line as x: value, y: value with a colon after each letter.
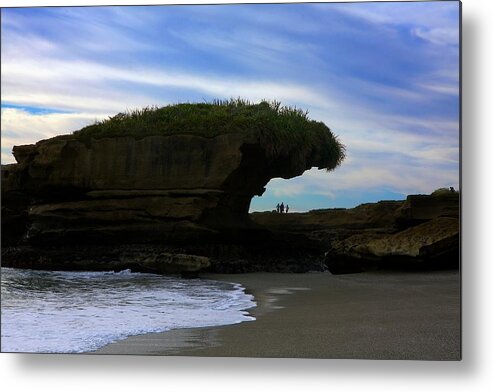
x: 45, y: 311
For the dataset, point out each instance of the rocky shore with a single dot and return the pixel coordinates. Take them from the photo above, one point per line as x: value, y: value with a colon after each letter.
x: 110, y: 198
x: 421, y: 232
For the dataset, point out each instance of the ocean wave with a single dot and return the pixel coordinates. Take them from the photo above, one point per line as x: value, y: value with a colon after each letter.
x: 66, y: 312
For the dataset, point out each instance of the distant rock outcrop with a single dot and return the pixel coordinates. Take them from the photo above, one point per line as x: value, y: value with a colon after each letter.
x: 327, y: 224
x: 421, y: 208
x: 419, y: 232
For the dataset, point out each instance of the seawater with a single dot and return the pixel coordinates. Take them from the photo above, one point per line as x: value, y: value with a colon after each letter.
x: 74, y: 312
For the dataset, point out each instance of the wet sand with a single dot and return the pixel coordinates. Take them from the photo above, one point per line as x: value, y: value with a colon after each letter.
x: 374, y: 315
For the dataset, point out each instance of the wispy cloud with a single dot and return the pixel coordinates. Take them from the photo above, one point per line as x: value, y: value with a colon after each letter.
x: 384, y: 77
x: 439, y: 36
x: 447, y: 89
x: 55, y: 74
x: 408, y: 14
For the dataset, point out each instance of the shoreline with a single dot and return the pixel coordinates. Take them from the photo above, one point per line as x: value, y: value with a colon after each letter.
x: 372, y: 315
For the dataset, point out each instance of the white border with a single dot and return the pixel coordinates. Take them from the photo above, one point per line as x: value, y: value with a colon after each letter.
x: 125, y: 373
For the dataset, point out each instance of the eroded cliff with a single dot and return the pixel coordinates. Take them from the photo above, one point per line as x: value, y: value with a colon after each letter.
x: 108, y: 184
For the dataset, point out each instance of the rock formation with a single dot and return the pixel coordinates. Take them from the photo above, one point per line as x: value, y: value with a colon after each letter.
x: 433, y: 244
x: 419, y: 232
x: 168, y: 190
x: 143, y: 189
x: 174, y: 188
x: 421, y: 208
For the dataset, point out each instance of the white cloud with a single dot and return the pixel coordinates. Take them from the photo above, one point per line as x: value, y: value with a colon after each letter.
x: 21, y: 127
x: 429, y: 15
x: 255, y: 47
x: 438, y: 154
x: 7, y: 158
x: 82, y: 31
x: 365, y: 130
x: 34, y: 75
x: 439, y: 36
x: 367, y: 176
x: 447, y: 89
x: 80, y: 101
x: 280, y: 187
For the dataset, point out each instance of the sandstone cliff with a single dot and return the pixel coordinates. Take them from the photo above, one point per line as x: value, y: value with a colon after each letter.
x: 142, y: 189
x: 156, y: 184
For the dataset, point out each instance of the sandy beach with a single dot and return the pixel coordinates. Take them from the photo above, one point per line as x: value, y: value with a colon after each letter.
x: 373, y: 315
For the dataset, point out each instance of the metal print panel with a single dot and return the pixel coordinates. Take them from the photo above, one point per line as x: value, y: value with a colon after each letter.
x: 249, y: 180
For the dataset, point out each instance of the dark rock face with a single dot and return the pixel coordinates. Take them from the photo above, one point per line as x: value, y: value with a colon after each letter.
x: 174, y: 191
x: 150, y: 188
x: 326, y: 223
x: 421, y: 208
x: 103, y: 258
x: 14, y: 206
x: 425, y: 235
x: 433, y: 244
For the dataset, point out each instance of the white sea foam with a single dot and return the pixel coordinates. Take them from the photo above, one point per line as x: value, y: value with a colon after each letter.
x: 81, y: 311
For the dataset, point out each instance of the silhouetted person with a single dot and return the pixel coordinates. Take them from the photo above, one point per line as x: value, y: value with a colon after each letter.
x: 282, y: 208
x: 287, y: 208
x: 278, y: 207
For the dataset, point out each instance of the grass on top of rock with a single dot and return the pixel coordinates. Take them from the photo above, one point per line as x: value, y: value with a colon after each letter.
x: 281, y: 130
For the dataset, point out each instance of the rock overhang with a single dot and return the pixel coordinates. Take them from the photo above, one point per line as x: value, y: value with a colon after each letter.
x: 91, y: 183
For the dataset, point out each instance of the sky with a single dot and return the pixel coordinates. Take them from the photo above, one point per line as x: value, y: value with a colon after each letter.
x: 384, y: 77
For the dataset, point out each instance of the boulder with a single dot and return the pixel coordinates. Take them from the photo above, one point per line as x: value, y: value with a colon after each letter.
x: 168, y: 263
x: 432, y: 244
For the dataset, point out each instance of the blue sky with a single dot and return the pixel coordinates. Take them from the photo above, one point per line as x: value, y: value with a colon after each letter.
x: 384, y: 77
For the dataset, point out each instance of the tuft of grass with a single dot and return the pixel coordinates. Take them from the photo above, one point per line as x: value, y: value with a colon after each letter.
x: 280, y: 130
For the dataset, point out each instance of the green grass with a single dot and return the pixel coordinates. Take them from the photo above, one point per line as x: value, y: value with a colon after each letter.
x: 280, y: 130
